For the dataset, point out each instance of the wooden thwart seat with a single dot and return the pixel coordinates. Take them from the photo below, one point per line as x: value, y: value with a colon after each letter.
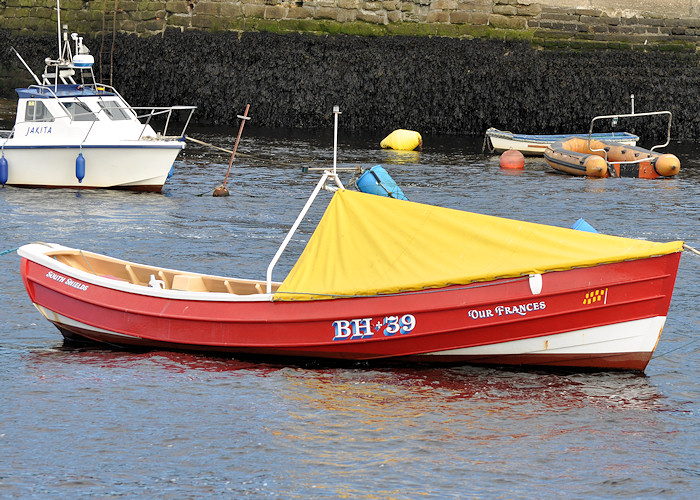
x: 171, y: 280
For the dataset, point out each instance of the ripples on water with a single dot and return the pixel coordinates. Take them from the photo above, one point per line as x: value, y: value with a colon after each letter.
x: 107, y: 423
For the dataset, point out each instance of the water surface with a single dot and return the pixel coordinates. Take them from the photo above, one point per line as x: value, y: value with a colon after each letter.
x: 105, y: 423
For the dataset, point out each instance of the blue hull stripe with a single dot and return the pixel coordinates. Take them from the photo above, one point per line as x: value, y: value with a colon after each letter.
x: 151, y: 146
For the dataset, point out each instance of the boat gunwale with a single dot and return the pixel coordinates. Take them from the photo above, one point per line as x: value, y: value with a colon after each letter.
x: 49, y: 261
x: 549, y: 138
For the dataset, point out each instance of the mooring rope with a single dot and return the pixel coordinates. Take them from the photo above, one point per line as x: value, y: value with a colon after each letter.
x: 466, y: 286
x: 88, y: 263
x: 207, y: 144
x: 687, y: 344
x: 238, y: 153
x: 691, y: 249
x: 487, y: 142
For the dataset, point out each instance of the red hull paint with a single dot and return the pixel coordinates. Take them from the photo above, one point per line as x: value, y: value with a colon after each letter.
x: 635, y: 361
x: 451, y: 318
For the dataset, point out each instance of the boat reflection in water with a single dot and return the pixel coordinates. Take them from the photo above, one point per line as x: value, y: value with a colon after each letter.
x: 389, y: 392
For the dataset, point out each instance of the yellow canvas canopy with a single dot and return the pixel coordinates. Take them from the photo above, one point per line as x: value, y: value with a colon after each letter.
x: 367, y: 244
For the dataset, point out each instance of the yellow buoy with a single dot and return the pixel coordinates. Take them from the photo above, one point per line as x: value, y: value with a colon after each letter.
x: 403, y: 140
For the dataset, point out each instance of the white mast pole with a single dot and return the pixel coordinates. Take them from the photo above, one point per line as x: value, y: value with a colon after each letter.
x: 336, y: 112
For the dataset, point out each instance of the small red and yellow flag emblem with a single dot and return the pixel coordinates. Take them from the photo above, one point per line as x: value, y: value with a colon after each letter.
x: 596, y: 296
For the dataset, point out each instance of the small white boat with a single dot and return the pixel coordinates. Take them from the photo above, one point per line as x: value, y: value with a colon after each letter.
x: 498, y: 141
x: 73, y: 132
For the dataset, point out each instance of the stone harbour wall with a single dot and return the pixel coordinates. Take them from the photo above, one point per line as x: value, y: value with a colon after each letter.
x: 544, y: 22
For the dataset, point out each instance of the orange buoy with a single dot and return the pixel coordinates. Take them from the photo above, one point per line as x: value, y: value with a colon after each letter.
x: 221, y: 191
x: 512, y: 159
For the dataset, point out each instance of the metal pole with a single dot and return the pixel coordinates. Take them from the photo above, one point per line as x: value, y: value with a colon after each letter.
x: 221, y: 191
x: 60, y: 48
x: 36, y: 78
x: 238, y: 138
x: 321, y: 185
x: 336, y: 112
x: 293, y: 229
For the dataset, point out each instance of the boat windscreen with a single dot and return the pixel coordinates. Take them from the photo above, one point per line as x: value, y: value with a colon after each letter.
x: 114, y: 110
x: 79, y: 112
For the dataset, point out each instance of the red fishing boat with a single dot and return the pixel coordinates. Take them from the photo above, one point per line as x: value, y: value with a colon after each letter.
x: 384, y: 279
x: 571, y: 298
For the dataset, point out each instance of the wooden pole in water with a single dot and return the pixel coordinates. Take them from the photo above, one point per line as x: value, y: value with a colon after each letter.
x: 221, y: 190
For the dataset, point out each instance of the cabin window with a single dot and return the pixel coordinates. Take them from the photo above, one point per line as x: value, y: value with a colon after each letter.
x: 79, y: 112
x: 37, y: 112
x: 114, y: 110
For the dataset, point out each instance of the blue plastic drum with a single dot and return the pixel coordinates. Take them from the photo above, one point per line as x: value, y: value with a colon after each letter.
x: 377, y: 181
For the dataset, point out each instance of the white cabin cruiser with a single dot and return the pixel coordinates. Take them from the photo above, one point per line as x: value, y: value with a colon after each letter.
x: 72, y: 132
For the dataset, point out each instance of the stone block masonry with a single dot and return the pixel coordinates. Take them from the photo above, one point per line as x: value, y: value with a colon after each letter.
x: 543, y: 22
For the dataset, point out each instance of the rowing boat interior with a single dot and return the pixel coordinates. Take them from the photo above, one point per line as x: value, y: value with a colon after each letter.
x: 139, y: 274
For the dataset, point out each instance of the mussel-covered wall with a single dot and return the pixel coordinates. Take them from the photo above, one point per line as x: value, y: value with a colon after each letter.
x: 434, y: 85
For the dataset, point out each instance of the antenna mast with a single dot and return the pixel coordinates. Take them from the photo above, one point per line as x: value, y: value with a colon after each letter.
x: 58, y: 10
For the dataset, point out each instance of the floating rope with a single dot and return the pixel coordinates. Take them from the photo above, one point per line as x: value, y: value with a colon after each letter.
x: 8, y: 251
